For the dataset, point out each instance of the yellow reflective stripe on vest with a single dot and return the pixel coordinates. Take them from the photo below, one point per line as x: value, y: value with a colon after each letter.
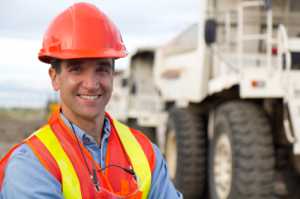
x: 137, y: 157
x: 70, y: 182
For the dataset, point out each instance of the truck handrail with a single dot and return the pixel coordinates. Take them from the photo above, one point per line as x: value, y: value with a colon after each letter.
x: 282, y: 47
x: 242, y: 36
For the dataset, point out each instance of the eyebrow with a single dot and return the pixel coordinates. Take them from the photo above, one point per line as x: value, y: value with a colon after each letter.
x: 72, y: 62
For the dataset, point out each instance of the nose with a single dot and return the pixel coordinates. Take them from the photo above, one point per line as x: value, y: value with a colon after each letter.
x: 91, y: 81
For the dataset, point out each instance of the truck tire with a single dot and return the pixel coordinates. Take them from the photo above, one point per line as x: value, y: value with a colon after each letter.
x: 186, y: 151
x: 241, y: 154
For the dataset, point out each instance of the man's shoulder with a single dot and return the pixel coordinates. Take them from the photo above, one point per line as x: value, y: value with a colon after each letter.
x: 19, y: 163
x: 25, y: 176
x: 21, y: 155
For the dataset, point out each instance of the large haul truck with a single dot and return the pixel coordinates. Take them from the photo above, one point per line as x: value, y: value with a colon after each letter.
x: 231, y: 87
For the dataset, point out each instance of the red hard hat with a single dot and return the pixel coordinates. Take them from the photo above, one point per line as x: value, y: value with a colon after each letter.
x: 82, y: 31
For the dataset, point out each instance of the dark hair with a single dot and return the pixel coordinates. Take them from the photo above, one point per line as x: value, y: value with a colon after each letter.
x: 113, y: 64
x: 56, y: 65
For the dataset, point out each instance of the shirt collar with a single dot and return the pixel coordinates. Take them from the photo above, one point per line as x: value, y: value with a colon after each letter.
x: 85, y: 138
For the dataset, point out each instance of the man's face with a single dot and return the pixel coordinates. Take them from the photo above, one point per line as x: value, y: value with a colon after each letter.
x: 85, y: 87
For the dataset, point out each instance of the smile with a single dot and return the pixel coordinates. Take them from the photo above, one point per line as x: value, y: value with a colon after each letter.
x: 89, y: 97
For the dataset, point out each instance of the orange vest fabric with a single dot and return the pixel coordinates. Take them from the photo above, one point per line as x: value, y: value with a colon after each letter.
x: 113, y: 180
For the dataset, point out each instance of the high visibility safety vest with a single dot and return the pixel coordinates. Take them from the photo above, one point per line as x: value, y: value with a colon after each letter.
x: 59, y: 151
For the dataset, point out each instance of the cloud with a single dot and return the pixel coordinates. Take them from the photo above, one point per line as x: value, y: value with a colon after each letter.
x: 29, y: 19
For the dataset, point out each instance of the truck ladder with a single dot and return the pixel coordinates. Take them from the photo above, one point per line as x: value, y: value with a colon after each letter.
x: 242, y: 36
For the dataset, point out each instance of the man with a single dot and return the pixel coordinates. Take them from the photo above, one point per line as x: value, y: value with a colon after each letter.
x: 82, y: 152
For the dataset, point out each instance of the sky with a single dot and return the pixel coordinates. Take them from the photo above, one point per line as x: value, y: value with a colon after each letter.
x: 24, y: 80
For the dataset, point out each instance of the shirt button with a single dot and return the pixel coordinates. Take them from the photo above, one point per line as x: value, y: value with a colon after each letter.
x: 85, y: 140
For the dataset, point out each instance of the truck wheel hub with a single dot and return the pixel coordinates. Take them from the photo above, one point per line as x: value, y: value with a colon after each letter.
x: 223, y: 167
x: 171, y: 153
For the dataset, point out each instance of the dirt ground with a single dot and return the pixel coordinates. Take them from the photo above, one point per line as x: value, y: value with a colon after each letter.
x: 16, y: 124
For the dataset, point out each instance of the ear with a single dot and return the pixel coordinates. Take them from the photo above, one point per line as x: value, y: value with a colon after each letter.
x: 54, y: 78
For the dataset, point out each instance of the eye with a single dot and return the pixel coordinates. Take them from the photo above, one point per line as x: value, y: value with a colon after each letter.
x: 104, y: 67
x: 75, y: 68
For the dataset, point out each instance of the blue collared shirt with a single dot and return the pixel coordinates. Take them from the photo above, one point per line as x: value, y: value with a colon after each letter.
x: 26, y: 178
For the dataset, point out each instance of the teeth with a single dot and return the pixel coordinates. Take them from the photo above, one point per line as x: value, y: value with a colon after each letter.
x: 89, y: 97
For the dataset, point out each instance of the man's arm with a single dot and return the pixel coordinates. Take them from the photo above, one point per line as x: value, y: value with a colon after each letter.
x: 162, y: 186
x: 26, y: 178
